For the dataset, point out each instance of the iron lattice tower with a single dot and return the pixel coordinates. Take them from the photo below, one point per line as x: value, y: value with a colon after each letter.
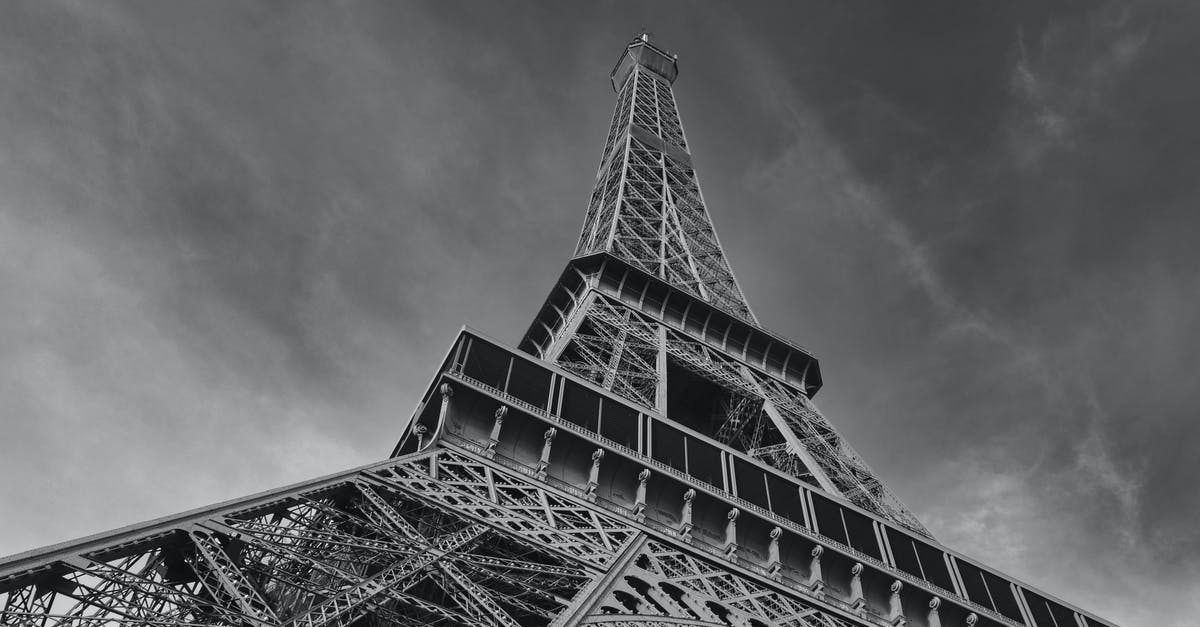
x: 648, y: 456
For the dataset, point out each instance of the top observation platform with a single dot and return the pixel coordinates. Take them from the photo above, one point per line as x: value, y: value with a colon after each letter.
x: 641, y: 52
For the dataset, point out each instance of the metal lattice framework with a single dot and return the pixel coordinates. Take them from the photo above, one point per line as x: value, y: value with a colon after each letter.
x: 391, y: 544
x: 850, y: 475
x: 666, y: 585
x: 437, y: 538
x: 707, y: 580
x: 647, y: 207
x: 670, y: 469
x: 616, y: 347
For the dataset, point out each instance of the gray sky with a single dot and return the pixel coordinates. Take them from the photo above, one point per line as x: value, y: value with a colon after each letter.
x: 236, y: 238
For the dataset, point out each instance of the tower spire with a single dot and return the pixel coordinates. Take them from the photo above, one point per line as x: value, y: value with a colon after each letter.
x: 646, y: 207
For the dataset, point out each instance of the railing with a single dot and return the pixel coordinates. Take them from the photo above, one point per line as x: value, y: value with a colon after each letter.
x: 570, y: 426
x: 713, y: 550
x: 742, y: 504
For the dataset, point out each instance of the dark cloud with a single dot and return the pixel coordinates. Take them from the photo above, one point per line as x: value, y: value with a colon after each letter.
x: 238, y: 236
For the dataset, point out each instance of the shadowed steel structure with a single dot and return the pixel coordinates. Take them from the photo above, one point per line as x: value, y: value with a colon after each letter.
x: 648, y: 455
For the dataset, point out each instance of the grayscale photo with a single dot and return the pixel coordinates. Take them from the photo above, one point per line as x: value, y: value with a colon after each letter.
x: 618, y: 314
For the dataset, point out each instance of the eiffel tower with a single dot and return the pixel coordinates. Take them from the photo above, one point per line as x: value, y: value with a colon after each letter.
x: 647, y: 455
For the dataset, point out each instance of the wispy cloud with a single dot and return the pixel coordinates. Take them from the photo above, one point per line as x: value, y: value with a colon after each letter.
x: 1063, y: 81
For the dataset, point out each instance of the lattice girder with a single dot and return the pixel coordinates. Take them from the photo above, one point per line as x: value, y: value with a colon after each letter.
x: 668, y: 584
x: 647, y: 207
x: 617, y: 347
x: 307, y: 559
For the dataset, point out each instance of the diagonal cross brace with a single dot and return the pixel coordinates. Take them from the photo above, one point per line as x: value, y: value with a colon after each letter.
x: 476, y: 600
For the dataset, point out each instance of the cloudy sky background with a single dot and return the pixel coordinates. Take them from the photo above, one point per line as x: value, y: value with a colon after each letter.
x: 235, y: 239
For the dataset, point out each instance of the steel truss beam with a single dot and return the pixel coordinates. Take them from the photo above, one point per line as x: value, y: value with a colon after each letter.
x: 615, y: 347
x: 669, y: 581
x: 647, y: 207
x: 359, y: 546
